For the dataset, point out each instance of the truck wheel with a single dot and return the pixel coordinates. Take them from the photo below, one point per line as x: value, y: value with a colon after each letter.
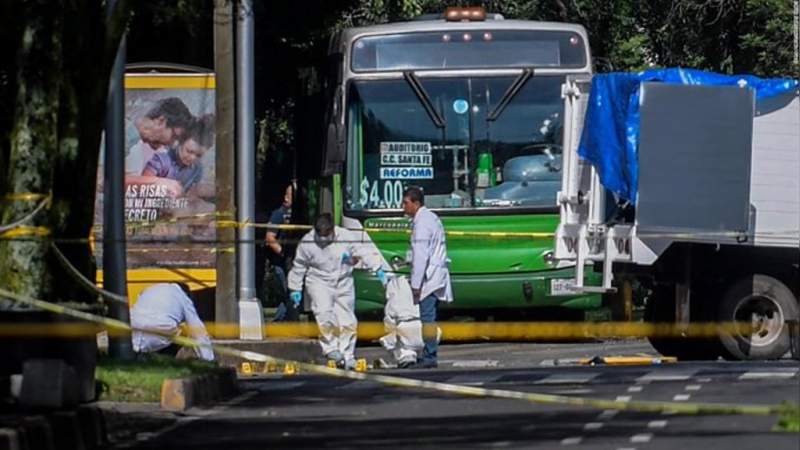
x: 660, y: 308
x: 764, y: 302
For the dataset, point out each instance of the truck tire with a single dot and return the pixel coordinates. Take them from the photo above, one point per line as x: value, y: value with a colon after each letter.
x: 767, y: 304
x: 660, y: 308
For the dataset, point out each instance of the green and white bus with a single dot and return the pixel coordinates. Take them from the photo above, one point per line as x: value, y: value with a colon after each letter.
x: 469, y: 107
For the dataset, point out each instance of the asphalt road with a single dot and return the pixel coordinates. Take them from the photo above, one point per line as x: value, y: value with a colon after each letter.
x: 307, y: 411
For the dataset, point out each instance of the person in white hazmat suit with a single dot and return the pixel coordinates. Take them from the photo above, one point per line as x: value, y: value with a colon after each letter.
x: 402, y: 322
x: 325, y: 259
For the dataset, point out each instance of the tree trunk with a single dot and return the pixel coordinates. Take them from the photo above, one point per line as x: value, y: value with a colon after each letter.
x: 63, y: 64
x: 33, y: 146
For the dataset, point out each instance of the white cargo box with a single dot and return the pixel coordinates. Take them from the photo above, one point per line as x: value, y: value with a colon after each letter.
x: 715, y: 166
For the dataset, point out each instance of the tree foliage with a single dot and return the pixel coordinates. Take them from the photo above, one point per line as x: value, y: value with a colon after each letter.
x: 55, y: 59
x: 753, y: 36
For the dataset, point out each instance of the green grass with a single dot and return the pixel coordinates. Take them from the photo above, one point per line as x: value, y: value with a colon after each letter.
x: 140, y: 381
x: 789, y: 419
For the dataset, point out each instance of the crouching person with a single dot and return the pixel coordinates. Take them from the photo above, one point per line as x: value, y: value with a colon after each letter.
x: 325, y: 259
x: 162, y: 308
x: 402, y: 323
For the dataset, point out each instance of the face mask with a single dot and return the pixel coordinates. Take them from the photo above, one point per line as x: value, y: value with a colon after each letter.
x: 323, y: 241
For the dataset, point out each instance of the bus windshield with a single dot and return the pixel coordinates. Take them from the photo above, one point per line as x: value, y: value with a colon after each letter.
x: 470, y: 162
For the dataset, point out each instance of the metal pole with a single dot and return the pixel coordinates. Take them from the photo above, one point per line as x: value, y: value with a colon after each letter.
x: 250, y: 319
x: 114, y: 267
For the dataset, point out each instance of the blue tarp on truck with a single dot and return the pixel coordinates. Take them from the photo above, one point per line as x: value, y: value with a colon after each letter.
x: 610, y: 139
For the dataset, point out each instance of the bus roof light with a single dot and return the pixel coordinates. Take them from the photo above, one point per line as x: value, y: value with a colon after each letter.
x: 471, y: 14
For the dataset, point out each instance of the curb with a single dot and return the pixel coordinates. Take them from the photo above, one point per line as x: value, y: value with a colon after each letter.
x: 39, y: 432
x: 9, y: 439
x: 300, y: 350
x: 66, y: 426
x: 180, y: 394
x: 79, y: 429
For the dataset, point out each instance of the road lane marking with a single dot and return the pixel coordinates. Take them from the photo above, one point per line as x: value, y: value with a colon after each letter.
x: 567, y: 378
x: 761, y: 375
x: 571, y: 440
x: 593, y: 426
x: 635, y: 389
x: 703, y: 380
x: 473, y: 363
x: 608, y: 414
x: 667, y: 375
x: 641, y: 438
x: 681, y: 397
x: 657, y: 424
x: 693, y: 387
x: 623, y: 398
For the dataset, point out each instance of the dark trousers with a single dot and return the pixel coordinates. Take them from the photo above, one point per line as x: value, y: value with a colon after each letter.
x: 287, y: 311
x: 427, y: 314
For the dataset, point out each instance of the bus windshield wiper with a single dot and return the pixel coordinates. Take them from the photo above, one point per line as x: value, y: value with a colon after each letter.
x: 512, y: 90
x: 423, y: 97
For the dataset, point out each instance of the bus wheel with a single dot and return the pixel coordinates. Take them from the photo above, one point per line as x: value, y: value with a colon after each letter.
x: 765, y: 304
x: 660, y: 309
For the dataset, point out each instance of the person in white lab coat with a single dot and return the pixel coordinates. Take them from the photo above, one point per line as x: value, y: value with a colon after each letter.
x: 163, y: 308
x: 325, y: 259
x: 430, y: 275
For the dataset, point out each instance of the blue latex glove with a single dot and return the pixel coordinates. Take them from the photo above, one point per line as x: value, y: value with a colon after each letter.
x: 296, y: 297
x: 382, y: 276
x: 347, y: 259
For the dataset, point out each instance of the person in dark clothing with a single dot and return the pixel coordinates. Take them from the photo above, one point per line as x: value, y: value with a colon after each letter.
x: 278, y: 254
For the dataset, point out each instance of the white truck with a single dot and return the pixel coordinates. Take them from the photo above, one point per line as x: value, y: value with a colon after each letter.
x: 714, y: 235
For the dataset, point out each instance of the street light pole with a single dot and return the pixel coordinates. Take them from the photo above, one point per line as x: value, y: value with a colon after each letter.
x: 250, y: 318
x: 114, y: 265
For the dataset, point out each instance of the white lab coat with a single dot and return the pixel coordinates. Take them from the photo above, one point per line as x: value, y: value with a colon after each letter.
x: 329, y: 285
x: 401, y: 321
x: 163, y: 307
x: 429, y: 262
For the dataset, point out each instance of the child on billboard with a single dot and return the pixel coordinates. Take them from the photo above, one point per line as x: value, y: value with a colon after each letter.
x: 181, y: 163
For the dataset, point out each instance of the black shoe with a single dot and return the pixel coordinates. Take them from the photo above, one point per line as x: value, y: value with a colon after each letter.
x: 423, y: 365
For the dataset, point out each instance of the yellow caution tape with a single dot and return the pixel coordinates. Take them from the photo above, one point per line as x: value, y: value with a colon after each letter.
x: 26, y: 196
x: 451, y: 331
x: 628, y: 360
x: 395, y: 381
x: 25, y: 231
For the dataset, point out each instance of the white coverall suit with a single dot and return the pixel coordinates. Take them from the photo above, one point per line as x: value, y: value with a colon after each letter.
x: 329, y: 285
x: 401, y: 321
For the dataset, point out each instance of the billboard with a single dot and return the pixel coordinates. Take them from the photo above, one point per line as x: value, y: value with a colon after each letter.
x: 169, y: 172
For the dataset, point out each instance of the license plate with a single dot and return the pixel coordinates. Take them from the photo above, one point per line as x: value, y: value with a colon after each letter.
x: 562, y: 286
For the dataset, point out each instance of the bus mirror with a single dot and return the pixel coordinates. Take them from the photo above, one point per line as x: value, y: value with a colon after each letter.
x: 334, y: 136
x: 334, y: 148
